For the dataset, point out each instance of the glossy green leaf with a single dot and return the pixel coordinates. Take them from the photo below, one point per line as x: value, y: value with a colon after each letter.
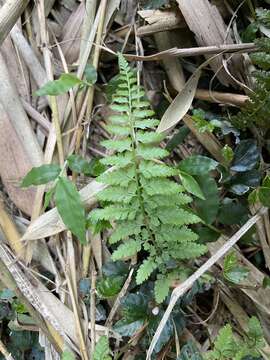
x: 190, y: 352
x: 242, y: 182
x: 207, y: 209
x: 126, y: 328
x: 198, y: 165
x: 232, y: 270
x: 228, y: 154
x: 108, y: 287
x: 41, y: 175
x: 70, y: 208
x: 90, y: 74
x: 232, y: 212
x: 191, y: 185
x: 178, y: 138
x: 60, y: 86
x: 246, y: 156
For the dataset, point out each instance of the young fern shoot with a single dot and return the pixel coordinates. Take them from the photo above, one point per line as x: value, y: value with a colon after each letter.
x: 147, y: 207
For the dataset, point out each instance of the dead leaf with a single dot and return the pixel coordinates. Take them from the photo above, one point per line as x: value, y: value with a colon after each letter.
x: 180, y: 105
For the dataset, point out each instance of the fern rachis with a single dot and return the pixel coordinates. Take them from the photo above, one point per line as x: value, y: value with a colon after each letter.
x: 145, y: 204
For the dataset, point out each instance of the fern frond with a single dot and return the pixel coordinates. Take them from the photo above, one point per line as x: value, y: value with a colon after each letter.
x: 120, y: 177
x: 127, y: 249
x: 144, y: 204
x: 124, y: 230
x: 145, y: 270
x: 118, y: 145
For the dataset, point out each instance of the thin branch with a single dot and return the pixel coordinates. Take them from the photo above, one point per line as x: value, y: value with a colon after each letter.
x: 186, y: 285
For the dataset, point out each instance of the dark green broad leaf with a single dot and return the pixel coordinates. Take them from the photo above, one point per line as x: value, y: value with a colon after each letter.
x: 108, y: 287
x: 190, y: 352
x: 198, y: 165
x: 60, y: 86
x: 232, y: 270
x: 23, y: 340
x: 134, y: 307
x: 70, y: 208
x: 41, y: 175
x: 102, y: 349
x: 90, y: 74
x: 206, y: 235
x: 246, y: 156
x: 191, y: 185
x: 264, y: 195
x: 178, y: 138
x: 115, y: 268
x: 242, y: 182
x: 7, y: 294
x: 127, y: 328
x: 232, y: 212
x: 166, y: 334
x: 207, y: 209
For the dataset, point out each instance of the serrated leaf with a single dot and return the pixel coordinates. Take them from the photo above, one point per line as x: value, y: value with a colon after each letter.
x: 198, y: 165
x: 114, y: 212
x: 118, y: 130
x: 225, y: 344
x: 160, y: 186
x: 180, y: 217
x: 162, y: 288
x: 149, y: 137
x: 124, y: 230
x: 119, y: 160
x: 117, y: 145
x: 41, y: 175
x: 150, y: 170
x: 150, y: 153
x: 191, y: 185
x: 118, y: 194
x: 146, y: 124
x: 180, y: 105
x: 102, y: 349
x: 120, y: 177
x: 90, y: 74
x: 232, y: 271
x: 70, y: 208
x: 60, y: 86
x: 127, y: 249
x: 145, y: 270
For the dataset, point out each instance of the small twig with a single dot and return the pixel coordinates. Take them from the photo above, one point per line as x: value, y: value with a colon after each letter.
x: 118, y: 299
x: 186, y: 285
x: 93, y: 308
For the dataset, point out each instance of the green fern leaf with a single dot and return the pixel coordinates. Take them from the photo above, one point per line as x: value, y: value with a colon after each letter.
x: 120, y: 160
x: 150, y: 153
x: 179, y: 217
x: 162, y: 288
x: 225, y: 344
x: 115, y: 212
x: 149, y: 137
x: 160, y: 186
x: 128, y: 249
x: 145, y: 270
x: 118, y: 145
x: 188, y: 251
x: 118, y: 130
x: 150, y: 170
x: 120, y: 177
x: 146, y: 124
x: 119, y: 119
x: 142, y: 114
x: 124, y: 230
x: 173, y: 234
x: 118, y: 194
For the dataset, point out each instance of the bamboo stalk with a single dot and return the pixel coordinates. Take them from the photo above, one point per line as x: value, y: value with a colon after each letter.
x: 9, y: 14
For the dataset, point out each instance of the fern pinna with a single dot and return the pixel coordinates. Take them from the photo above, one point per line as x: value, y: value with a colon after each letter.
x: 147, y: 208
